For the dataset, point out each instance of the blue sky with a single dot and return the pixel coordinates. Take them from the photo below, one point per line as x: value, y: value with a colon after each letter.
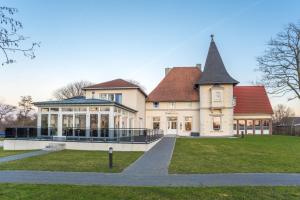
x: 101, y: 40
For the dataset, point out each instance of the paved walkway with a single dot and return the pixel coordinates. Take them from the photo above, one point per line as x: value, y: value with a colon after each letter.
x: 22, y: 156
x: 155, y: 161
x: 84, y: 178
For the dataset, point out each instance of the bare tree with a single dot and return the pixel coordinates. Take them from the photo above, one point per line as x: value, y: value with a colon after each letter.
x: 25, y: 109
x: 10, y: 40
x: 280, y: 64
x: 138, y: 84
x: 5, y: 111
x: 71, y: 90
x: 282, y: 114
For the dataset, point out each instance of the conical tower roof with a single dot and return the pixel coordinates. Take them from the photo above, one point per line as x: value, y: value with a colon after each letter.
x: 214, y: 70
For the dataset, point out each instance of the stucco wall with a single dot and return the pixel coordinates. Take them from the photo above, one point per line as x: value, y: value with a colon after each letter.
x: 206, y: 113
x: 181, y: 110
x: 35, y: 145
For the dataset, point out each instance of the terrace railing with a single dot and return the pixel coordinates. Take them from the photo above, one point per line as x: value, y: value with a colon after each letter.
x: 122, y: 135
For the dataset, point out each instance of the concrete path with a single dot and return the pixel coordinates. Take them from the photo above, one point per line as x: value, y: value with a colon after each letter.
x: 155, y: 161
x: 79, y: 178
x: 22, y: 156
x: 1, y: 143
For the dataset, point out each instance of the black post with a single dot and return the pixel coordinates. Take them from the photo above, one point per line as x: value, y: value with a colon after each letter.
x: 110, y: 157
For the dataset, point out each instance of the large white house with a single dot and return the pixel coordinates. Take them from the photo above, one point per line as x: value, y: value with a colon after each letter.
x: 188, y: 101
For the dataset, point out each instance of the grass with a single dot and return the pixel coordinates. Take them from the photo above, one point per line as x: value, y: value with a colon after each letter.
x: 1, y: 139
x: 72, y: 160
x: 10, y: 153
x: 225, y: 155
x: 72, y: 192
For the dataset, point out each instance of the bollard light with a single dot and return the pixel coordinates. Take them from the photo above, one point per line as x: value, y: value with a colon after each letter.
x: 110, y: 157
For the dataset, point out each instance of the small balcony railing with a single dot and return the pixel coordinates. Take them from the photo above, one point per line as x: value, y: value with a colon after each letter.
x: 122, y: 135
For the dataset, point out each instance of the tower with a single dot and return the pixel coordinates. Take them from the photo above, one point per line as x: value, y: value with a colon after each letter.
x: 216, y: 96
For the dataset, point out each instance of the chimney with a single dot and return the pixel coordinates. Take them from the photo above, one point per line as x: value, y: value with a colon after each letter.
x: 199, y: 66
x: 167, y: 70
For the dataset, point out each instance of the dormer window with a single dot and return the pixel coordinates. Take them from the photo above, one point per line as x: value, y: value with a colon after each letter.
x: 156, y: 104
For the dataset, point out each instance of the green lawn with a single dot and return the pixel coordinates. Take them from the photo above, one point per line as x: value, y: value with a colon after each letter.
x: 1, y: 139
x: 225, y: 155
x: 71, y: 192
x: 9, y: 153
x: 71, y: 160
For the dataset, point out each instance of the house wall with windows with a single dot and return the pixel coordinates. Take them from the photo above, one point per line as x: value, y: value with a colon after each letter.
x: 131, y: 98
x: 179, y: 118
x: 216, y: 110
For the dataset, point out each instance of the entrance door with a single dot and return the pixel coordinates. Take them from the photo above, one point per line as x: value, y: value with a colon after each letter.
x: 172, y: 125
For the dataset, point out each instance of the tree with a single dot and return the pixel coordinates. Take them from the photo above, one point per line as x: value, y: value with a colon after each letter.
x: 25, y: 109
x: 138, y: 84
x: 10, y: 40
x: 71, y: 90
x: 5, y: 111
x: 280, y: 64
x: 282, y: 114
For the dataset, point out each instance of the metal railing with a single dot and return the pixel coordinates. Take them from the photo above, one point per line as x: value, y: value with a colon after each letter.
x: 121, y: 135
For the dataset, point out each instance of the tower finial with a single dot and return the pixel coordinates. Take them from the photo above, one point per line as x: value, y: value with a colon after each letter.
x: 212, y: 37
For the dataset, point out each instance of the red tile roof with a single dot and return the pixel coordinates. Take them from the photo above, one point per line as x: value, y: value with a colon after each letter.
x: 178, y: 85
x: 115, y: 84
x: 251, y: 100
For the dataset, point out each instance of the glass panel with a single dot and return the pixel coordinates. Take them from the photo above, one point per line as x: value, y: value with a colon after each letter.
x: 54, y: 109
x: 257, y: 125
x: 67, y: 125
x: 188, y: 126
x: 80, y: 125
x: 117, y: 121
x: 53, y: 124
x: 266, y: 124
x: 156, y: 125
x: 44, y: 124
x: 104, y: 125
x: 111, y: 97
x: 67, y: 109
x: 80, y: 109
x: 155, y: 104
x: 119, y: 98
x: 104, y: 121
x: 45, y: 109
x: 94, y: 121
x: 249, y: 125
x: 104, y: 108
x: 234, y: 124
x: 80, y: 121
x: 93, y: 109
x: 241, y: 125
x: 188, y: 123
x: 67, y: 121
x: 216, y: 123
x: 103, y: 96
x: 174, y: 125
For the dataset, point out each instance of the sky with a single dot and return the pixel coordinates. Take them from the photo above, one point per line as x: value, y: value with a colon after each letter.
x: 101, y: 40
